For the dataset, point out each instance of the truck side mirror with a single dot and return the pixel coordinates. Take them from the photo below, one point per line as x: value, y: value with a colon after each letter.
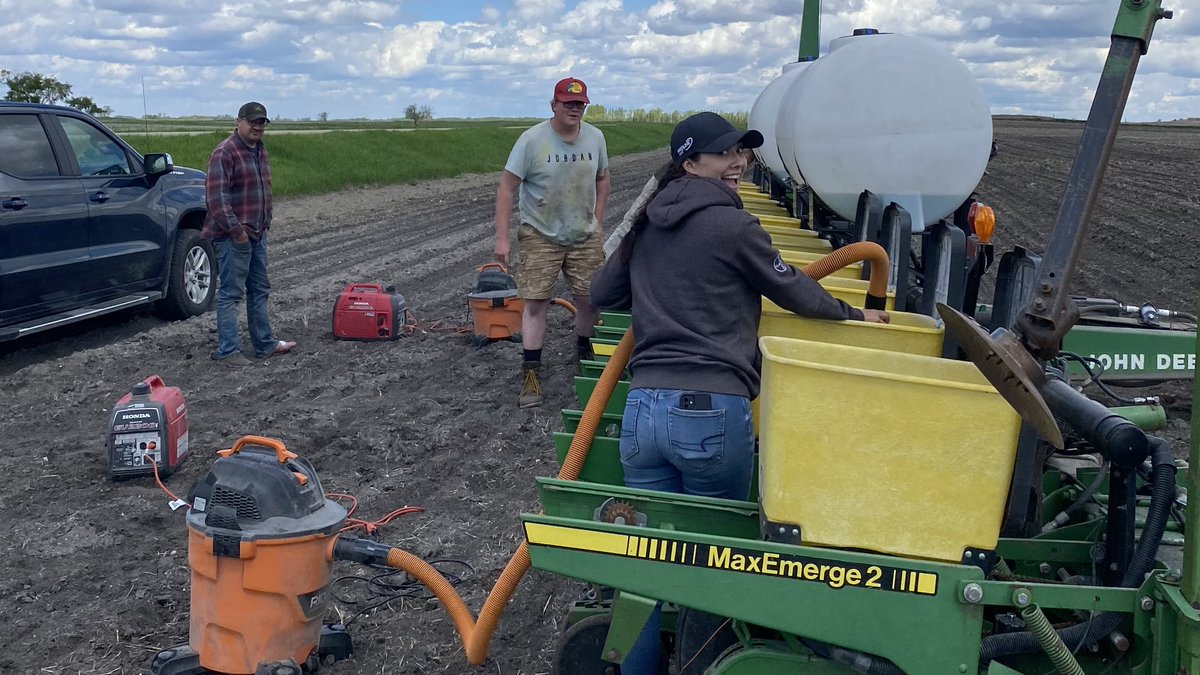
x: 158, y: 164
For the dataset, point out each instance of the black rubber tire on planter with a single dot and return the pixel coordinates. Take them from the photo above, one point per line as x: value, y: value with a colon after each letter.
x: 192, y: 280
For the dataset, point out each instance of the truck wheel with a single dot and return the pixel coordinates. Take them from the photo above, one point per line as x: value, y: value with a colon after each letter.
x: 192, y: 283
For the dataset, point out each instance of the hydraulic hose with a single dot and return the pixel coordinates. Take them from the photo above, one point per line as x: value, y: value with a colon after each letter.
x: 1065, y: 515
x: 477, y: 634
x: 1162, y: 496
x: 862, y: 251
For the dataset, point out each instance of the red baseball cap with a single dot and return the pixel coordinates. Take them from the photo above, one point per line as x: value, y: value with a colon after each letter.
x: 571, y: 89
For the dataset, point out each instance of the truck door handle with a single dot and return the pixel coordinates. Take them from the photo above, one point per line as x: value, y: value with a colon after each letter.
x: 15, y: 203
x: 100, y: 196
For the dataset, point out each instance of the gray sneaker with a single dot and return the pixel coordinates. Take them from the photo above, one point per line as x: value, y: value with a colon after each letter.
x: 531, y: 390
x: 236, y: 360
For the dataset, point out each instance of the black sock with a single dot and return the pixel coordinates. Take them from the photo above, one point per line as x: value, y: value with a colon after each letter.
x: 583, y: 340
x: 533, y: 355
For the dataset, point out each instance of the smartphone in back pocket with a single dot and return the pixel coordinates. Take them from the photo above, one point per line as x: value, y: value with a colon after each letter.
x: 697, y: 400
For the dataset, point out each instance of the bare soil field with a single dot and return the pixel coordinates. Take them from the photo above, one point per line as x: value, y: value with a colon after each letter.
x: 95, y: 576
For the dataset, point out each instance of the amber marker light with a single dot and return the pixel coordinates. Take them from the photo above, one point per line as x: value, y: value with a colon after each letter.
x: 983, y: 221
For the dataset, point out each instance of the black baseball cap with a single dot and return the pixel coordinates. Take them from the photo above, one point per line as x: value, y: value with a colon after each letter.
x: 708, y: 132
x: 253, y: 111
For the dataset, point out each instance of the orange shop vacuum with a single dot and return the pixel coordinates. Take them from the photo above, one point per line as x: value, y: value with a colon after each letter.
x: 261, y: 538
x: 495, y: 307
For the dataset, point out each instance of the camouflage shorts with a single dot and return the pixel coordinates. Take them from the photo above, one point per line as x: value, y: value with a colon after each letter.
x: 541, y: 260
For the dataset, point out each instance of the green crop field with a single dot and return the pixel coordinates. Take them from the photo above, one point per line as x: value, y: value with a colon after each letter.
x: 312, y: 158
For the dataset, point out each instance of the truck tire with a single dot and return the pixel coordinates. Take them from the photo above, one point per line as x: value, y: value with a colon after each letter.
x: 192, y: 280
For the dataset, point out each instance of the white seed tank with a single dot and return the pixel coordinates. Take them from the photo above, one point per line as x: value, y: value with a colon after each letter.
x: 764, y: 113
x: 893, y: 114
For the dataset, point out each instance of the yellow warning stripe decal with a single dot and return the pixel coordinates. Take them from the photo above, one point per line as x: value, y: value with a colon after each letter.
x: 582, y: 540
x: 835, y: 574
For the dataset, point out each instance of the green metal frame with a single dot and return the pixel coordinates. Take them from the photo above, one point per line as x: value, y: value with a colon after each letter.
x: 691, y: 557
x: 1188, y: 598
x: 1134, y: 353
x: 853, y: 616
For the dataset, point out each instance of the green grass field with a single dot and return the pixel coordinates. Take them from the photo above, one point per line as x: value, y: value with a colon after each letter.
x: 334, y: 156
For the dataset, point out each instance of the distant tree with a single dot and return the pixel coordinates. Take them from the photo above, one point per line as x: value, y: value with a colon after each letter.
x: 324, y: 117
x: 87, y: 105
x: 594, y: 112
x: 418, y: 113
x: 37, y: 88
x: 34, y: 88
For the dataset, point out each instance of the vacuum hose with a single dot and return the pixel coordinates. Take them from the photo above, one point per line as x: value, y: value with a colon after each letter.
x: 564, y: 303
x: 477, y: 634
x: 862, y: 251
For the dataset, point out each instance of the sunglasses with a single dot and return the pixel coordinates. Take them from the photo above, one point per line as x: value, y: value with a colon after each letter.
x: 573, y: 105
x: 257, y: 123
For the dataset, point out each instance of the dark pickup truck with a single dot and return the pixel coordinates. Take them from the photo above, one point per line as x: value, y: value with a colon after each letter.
x: 88, y: 226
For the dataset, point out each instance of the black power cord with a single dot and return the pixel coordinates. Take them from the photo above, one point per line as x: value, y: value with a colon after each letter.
x: 1095, y: 371
x: 390, y: 584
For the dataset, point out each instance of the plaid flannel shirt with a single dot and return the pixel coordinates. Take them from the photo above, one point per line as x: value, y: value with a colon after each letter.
x: 237, y: 191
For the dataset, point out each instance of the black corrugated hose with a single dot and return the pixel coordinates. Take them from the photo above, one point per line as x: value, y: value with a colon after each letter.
x: 1162, y: 496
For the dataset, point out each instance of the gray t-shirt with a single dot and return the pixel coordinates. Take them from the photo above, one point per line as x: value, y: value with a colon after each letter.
x: 558, y: 181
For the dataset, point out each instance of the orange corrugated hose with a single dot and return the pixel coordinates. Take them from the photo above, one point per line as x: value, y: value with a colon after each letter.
x: 564, y: 303
x: 856, y: 252
x: 477, y: 634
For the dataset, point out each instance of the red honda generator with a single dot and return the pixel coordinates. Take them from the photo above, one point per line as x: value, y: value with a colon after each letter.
x: 149, y: 431
x: 368, y: 312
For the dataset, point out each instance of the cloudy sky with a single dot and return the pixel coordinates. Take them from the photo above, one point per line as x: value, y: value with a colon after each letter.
x: 472, y: 58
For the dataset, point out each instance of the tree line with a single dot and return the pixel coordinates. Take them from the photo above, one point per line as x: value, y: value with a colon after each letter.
x: 599, y: 113
x: 32, y: 87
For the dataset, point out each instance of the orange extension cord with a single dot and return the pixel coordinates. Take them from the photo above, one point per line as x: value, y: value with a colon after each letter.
x: 477, y: 634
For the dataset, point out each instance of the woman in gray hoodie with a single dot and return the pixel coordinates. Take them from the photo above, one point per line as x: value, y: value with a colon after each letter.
x: 693, y: 269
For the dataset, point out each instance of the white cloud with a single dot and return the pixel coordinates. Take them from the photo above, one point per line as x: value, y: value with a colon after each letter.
x: 362, y: 57
x: 407, y: 52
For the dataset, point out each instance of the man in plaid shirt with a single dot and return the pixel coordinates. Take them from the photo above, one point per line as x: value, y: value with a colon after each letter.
x: 238, y: 196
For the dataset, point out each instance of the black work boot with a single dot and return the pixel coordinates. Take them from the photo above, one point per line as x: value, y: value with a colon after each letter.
x: 583, y: 350
x: 531, y: 390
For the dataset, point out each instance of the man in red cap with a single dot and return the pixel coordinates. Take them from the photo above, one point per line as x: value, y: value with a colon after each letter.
x: 561, y: 168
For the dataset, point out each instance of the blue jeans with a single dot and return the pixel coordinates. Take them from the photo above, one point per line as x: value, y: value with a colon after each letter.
x: 699, y: 452
x: 243, y: 273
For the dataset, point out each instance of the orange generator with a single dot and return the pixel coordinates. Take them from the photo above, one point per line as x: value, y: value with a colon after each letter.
x: 261, y: 536
x: 495, y: 307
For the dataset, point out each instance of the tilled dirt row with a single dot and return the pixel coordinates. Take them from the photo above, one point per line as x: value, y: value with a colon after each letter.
x: 96, y: 577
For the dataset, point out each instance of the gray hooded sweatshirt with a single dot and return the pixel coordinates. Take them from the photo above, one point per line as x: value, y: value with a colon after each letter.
x: 695, y: 281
